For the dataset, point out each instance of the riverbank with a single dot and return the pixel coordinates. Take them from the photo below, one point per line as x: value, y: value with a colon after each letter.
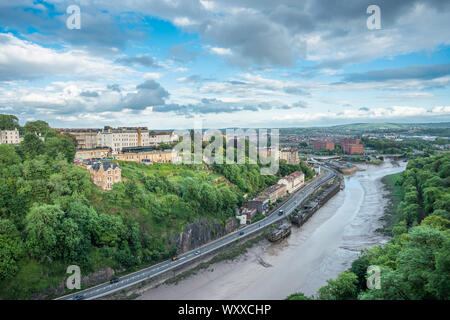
x: 319, y: 250
x: 394, y: 196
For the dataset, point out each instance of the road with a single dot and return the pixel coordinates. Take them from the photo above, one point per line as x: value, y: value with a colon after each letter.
x: 147, y: 273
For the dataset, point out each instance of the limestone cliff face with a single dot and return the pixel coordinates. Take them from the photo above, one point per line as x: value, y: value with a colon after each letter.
x: 201, y: 232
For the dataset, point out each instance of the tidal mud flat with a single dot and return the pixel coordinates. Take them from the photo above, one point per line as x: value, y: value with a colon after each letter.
x: 323, y: 247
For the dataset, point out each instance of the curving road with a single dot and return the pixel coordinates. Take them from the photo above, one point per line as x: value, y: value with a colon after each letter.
x: 147, y: 273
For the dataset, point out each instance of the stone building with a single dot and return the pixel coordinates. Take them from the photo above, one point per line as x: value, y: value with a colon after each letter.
x: 146, y: 155
x: 95, y: 153
x: 293, y: 181
x: 275, y: 192
x: 156, y: 138
x: 105, y: 174
x: 290, y: 155
x: 123, y: 137
x: 86, y: 138
x: 10, y: 136
x: 261, y: 204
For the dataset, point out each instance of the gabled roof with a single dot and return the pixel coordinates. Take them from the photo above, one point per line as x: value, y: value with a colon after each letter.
x: 106, y: 165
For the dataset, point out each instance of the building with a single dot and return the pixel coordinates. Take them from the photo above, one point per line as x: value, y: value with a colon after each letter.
x: 356, y: 149
x: 86, y: 138
x: 319, y: 145
x: 156, y: 138
x: 10, y: 136
x: 290, y: 155
x: 94, y: 153
x: 261, y: 204
x: 122, y: 137
x: 105, y: 174
x: 275, y: 192
x: 293, y: 181
x: 242, y: 219
x: 352, y: 146
x: 147, y: 155
x: 249, y: 212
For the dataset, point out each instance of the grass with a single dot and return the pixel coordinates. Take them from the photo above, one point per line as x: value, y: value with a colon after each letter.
x: 392, y: 184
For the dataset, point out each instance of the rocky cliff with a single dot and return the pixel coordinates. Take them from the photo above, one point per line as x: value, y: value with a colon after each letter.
x: 201, y: 232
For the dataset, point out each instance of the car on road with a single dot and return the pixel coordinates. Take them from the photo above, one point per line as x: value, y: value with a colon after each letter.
x: 197, y: 252
x: 114, y: 280
x: 78, y: 297
x: 174, y: 258
x: 241, y: 233
x: 280, y: 213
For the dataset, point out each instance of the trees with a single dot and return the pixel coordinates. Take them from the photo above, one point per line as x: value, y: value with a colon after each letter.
x: 11, y: 249
x: 36, y: 127
x: 31, y: 146
x: 297, y: 296
x: 343, y: 288
x: 41, y: 228
x: 55, y: 146
x: 8, y: 155
x: 8, y: 122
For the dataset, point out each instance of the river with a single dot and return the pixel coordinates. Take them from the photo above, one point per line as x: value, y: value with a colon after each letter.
x: 319, y: 250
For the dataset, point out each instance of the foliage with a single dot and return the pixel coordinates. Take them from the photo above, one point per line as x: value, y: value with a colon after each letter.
x: 297, y: 296
x: 415, y: 263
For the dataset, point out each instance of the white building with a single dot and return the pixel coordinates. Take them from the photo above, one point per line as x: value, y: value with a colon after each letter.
x: 10, y: 136
x: 156, y: 138
x: 116, y: 139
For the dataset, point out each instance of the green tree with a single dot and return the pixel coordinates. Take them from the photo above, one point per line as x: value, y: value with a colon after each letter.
x: 297, y: 296
x: 343, y: 288
x: 37, y: 127
x: 8, y: 122
x: 31, y: 146
x: 41, y: 227
x: 11, y: 249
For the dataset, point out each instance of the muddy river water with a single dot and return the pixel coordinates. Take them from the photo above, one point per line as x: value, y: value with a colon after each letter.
x: 322, y: 248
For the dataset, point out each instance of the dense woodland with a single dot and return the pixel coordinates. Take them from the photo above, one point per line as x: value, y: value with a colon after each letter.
x: 415, y: 263
x: 52, y: 216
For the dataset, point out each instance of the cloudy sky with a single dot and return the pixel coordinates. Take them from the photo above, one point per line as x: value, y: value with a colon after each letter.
x: 229, y: 63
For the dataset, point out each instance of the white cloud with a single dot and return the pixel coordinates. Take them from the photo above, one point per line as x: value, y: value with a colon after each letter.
x: 152, y: 75
x: 23, y: 60
x: 183, y: 22
x: 221, y: 51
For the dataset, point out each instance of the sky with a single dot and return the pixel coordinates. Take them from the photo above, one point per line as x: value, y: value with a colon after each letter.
x: 168, y: 64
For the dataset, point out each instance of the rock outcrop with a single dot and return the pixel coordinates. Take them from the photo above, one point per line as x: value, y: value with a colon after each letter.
x: 201, y: 232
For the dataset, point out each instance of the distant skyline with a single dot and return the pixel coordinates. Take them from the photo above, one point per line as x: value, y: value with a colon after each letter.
x: 249, y: 63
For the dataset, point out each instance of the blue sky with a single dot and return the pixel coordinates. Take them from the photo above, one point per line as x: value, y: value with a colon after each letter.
x: 248, y: 63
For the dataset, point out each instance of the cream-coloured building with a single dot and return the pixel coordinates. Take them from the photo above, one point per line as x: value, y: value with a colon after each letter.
x: 95, y: 153
x: 151, y: 156
x: 275, y: 192
x: 86, y: 138
x: 290, y: 155
x: 10, y: 136
x: 105, y: 174
x: 156, y: 138
x: 122, y: 137
x: 293, y: 181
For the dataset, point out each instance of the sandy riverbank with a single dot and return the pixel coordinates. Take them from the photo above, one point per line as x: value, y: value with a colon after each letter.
x: 322, y: 248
